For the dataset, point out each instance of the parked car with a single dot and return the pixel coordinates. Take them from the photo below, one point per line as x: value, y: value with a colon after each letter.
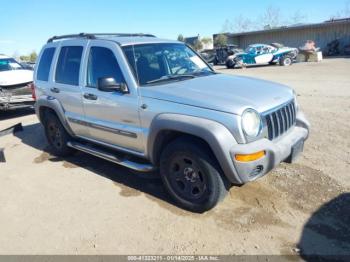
x: 209, y: 55
x: 258, y: 54
x: 223, y: 52
x: 28, y: 65
x: 347, y: 49
x: 153, y: 104
x: 15, y: 84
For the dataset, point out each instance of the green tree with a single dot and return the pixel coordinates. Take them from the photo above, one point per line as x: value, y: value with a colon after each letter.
x: 181, y: 38
x: 197, y: 45
x: 24, y: 58
x: 33, y: 56
x: 220, y: 40
x: 206, y: 40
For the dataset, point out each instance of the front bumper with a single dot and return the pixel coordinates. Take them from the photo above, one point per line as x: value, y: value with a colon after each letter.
x: 14, y: 102
x: 276, y: 151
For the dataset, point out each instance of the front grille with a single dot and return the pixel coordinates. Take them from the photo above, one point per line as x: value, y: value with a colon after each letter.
x: 280, y: 120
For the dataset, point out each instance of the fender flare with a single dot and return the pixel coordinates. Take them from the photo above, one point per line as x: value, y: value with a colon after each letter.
x: 55, y: 105
x: 218, y: 137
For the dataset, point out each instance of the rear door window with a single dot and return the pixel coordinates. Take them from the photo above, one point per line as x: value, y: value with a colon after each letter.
x: 45, y: 64
x: 68, y: 65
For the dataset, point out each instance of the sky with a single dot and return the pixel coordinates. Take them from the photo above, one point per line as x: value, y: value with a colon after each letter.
x: 27, y: 24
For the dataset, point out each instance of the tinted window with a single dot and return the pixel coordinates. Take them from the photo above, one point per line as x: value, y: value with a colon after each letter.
x: 68, y: 65
x: 45, y: 64
x: 102, y: 63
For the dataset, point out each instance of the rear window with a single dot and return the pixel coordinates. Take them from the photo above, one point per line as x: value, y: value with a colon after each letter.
x: 45, y: 64
x: 68, y: 65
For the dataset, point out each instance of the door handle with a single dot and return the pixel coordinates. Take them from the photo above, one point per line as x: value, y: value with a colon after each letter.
x: 90, y: 96
x: 54, y: 90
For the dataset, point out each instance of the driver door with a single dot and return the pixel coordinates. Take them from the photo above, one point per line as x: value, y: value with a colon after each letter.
x: 111, y: 117
x: 263, y: 56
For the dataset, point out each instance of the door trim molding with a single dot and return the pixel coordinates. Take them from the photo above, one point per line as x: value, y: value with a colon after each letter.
x: 103, y: 128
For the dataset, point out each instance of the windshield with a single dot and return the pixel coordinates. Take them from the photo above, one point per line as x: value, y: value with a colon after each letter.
x: 155, y: 63
x: 8, y: 64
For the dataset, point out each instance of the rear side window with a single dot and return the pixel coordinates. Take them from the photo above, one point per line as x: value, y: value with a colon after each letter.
x: 45, y: 64
x: 102, y: 63
x: 68, y: 65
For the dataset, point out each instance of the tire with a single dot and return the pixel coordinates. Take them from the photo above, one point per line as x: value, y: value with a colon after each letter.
x: 230, y: 64
x: 57, y: 136
x: 215, y: 62
x: 286, y: 61
x: 191, y: 175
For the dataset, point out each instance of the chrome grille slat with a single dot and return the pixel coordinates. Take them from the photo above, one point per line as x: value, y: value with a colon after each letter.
x: 290, y: 121
x: 272, y: 129
x: 280, y: 120
x: 278, y: 124
x: 293, y: 112
x: 286, y: 117
x: 285, y: 123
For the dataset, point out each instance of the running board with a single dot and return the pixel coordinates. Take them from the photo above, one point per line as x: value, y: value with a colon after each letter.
x: 99, y: 152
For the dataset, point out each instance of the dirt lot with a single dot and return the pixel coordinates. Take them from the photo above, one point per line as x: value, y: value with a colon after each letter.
x: 84, y: 205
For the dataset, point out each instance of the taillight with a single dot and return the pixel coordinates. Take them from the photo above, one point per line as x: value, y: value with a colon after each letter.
x: 32, y: 88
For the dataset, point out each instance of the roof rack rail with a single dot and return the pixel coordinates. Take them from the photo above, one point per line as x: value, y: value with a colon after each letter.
x: 123, y: 34
x: 93, y: 35
x: 82, y: 35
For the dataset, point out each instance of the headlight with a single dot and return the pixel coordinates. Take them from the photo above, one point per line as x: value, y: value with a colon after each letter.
x: 251, y: 123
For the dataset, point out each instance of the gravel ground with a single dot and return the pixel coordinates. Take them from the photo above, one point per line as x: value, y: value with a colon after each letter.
x: 84, y: 205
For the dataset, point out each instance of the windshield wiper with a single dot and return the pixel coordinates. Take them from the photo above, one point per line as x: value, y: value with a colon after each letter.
x: 202, y: 71
x: 170, y: 77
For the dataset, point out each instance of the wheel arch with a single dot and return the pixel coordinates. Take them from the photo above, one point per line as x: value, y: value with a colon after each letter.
x: 167, y: 127
x: 49, y: 104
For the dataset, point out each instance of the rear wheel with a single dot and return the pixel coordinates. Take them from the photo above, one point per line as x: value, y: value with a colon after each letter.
x: 286, y: 61
x: 56, y: 135
x: 191, y: 175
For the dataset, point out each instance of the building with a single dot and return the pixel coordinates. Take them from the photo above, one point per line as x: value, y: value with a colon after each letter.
x: 296, y: 35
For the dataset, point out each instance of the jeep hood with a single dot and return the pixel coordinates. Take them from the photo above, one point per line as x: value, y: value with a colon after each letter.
x: 231, y: 94
x: 15, y: 77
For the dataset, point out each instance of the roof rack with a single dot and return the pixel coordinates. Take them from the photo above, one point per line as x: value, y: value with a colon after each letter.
x: 94, y: 35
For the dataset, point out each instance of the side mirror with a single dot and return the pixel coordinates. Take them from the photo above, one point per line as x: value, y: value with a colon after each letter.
x: 108, y: 84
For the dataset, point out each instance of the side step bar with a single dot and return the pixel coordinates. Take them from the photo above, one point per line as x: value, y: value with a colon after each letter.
x: 96, y: 151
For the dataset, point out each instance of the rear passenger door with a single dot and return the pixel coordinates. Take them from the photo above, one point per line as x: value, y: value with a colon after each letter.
x: 112, y: 117
x: 66, y: 84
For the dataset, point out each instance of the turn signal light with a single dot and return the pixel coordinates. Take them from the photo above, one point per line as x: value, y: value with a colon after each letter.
x: 250, y: 157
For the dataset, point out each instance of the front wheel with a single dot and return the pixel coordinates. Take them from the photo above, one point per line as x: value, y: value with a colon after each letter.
x: 286, y: 61
x: 230, y: 64
x: 191, y: 175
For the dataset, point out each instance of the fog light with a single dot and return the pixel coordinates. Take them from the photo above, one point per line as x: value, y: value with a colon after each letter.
x: 249, y: 157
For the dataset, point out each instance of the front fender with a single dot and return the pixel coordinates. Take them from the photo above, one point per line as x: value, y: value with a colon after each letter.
x: 215, y: 134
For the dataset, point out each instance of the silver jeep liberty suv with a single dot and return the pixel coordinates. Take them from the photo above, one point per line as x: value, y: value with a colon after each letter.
x: 155, y: 105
